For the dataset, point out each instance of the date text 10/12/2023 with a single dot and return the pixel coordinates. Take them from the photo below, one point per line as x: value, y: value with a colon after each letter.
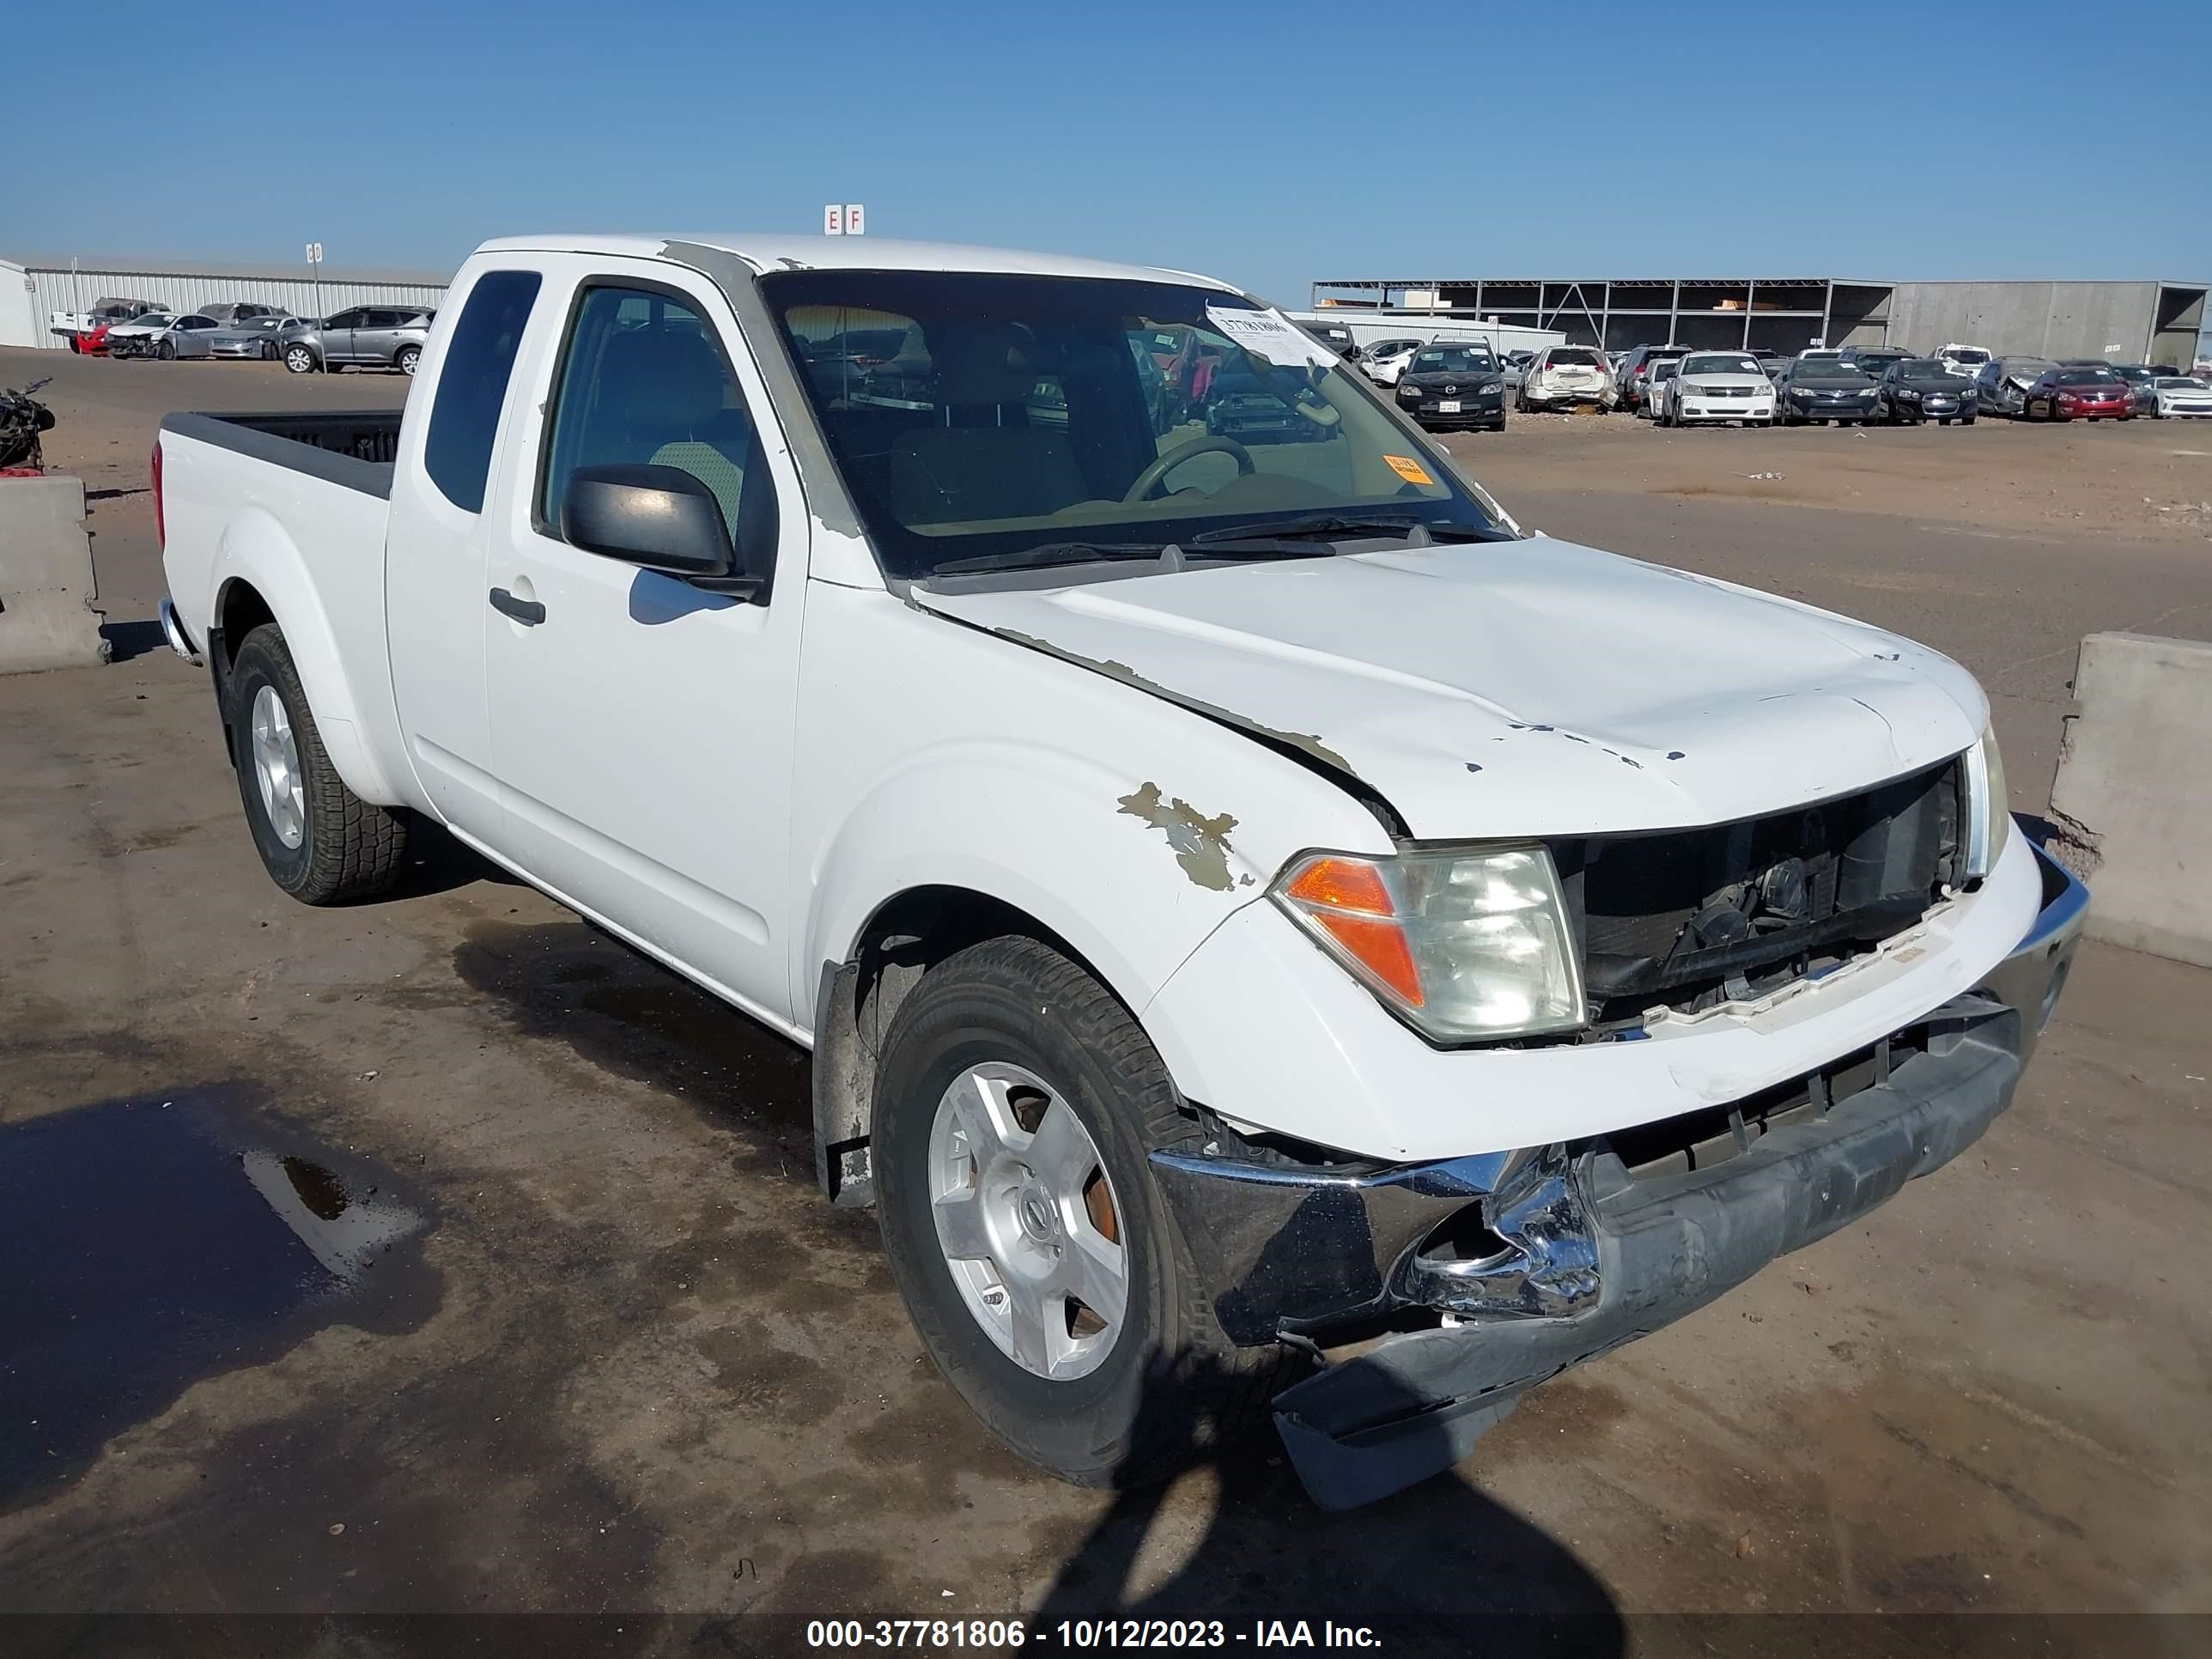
x: 1083, y: 1634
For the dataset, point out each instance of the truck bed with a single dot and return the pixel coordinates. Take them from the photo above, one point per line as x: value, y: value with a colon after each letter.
x: 352, y: 448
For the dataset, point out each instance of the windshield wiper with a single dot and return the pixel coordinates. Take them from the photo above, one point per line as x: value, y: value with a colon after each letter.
x: 1334, y: 526
x: 1049, y: 554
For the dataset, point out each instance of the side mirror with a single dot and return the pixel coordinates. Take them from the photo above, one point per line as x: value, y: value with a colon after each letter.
x: 659, y: 517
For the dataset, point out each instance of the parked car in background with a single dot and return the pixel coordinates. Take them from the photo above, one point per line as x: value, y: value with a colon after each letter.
x: 370, y: 336
x: 1335, y: 335
x: 2183, y: 397
x: 2139, y: 378
x: 134, y: 337
x: 184, y: 336
x: 1827, y: 389
x: 1564, y: 377
x: 1923, y: 389
x: 252, y: 337
x: 1657, y: 373
x: 2078, y: 392
x: 1874, y: 361
x: 1773, y: 364
x: 1966, y: 360
x: 1715, y: 386
x: 1630, y: 380
x: 1515, y: 365
x: 1244, y: 408
x: 1386, y: 360
x: 2002, y: 383
x: 1446, y: 385
x: 230, y: 312
x: 1821, y: 354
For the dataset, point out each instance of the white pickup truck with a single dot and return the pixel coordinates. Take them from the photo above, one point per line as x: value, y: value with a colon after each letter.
x: 1271, y: 931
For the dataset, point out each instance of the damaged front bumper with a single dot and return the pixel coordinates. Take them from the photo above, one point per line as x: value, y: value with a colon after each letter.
x: 1536, y: 1259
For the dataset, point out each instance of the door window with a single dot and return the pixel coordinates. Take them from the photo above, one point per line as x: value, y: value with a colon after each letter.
x: 344, y: 319
x: 472, y: 385
x: 643, y: 380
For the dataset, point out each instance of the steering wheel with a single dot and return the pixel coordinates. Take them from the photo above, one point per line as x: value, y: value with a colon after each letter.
x: 1149, y: 479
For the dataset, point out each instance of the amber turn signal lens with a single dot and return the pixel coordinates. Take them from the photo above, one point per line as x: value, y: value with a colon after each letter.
x: 1342, y: 884
x: 1381, y: 948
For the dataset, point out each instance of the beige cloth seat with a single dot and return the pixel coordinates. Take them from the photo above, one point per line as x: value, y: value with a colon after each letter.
x: 978, y: 467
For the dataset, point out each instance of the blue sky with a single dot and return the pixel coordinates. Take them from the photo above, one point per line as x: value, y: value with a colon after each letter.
x: 1271, y: 145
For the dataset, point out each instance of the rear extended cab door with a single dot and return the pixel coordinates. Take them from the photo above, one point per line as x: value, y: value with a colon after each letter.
x: 641, y: 728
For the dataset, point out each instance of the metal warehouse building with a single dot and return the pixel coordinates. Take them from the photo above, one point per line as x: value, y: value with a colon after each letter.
x: 2147, y: 322
x: 32, y: 289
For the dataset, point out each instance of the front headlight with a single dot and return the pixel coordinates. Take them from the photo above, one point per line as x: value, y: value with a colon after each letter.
x: 1989, y: 807
x: 1462, y: 942
x: 1489, y: 386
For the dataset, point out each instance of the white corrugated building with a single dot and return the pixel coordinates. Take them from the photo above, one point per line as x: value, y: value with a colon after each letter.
x: 56, y: 285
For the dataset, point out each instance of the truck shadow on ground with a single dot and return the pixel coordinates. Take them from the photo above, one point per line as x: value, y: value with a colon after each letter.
x: 1421, y: 1571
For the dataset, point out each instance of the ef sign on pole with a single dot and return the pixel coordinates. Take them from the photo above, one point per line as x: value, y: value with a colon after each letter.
x: 315, y: 273
x: 844, y: 219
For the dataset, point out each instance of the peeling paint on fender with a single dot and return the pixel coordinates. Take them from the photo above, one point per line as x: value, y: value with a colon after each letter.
x: 1200, y: 843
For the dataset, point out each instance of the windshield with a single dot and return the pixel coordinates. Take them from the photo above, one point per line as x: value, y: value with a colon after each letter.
x: 1664, y: 368
x: 1719, y: 363
x: 1928, y: 369
x: 1019, y: 411
x: 2089, y: 377
x: 1972, y: 357
x: 2178, y: 383
x: 1453, y: 359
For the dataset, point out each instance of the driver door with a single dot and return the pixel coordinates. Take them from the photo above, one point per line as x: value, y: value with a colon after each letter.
x: 642, y: 727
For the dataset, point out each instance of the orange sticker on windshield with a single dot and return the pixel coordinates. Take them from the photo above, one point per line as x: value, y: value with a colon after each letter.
x: 1409, y: 469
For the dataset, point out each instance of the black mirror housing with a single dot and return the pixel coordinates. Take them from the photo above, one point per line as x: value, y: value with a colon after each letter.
x: 659, y: 518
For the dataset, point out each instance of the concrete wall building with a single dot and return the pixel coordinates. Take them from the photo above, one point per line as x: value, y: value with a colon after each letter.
x: 18, y: 313
x: 70, y: 285
x: 2145, y: 321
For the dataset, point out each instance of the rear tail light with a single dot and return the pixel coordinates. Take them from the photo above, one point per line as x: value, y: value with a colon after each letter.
x: 161, y: 522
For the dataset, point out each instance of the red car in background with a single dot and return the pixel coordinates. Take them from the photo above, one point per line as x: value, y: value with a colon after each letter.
x: 93, y: 342
x: 2067, y: 394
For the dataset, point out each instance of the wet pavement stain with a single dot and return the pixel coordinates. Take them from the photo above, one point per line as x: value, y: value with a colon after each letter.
x: 630, y: 1016
x: 150, y: 1242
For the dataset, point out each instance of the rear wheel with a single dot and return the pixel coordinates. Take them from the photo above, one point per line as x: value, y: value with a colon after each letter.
x: 1015, y: 1104
x: 319, y: 840
x: 406, y: 359
x: 299, y: 360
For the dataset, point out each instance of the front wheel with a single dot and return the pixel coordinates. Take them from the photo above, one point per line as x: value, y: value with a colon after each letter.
x: 319, y: 840
x: 167, y: 351
x: 1015, y: 1104
x: 408, y: 357
x: 299, y: 360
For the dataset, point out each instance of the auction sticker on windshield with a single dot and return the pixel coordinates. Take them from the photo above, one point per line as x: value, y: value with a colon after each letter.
x: 1409, y: 468
x: 1269, y: 334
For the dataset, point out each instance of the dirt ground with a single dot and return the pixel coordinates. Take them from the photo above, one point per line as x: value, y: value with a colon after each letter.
x: 592, y: 1346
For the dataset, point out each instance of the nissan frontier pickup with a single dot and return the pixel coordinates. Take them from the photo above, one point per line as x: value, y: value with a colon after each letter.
x: 1275, y: 937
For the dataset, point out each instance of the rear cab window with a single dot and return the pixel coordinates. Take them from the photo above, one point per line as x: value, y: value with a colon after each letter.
x: 480, y: 357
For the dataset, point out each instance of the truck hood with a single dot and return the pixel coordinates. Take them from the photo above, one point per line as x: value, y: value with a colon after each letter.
x: 1515, y: 689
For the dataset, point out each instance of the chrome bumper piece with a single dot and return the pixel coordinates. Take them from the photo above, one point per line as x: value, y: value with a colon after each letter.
x: 1576, y: 1256
x: 174, y: 631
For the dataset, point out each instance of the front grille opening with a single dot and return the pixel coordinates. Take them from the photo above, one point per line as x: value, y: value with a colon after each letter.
x: 1699, y: 1140
x: 1689, y: 919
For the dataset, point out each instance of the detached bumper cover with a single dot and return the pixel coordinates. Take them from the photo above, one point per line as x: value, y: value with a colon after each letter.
x: 1590, y: 1257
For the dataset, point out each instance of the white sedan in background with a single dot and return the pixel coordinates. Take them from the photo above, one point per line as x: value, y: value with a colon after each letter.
x: 2181, y: 397
x: 1715, y: 386
x: 1386, y: 360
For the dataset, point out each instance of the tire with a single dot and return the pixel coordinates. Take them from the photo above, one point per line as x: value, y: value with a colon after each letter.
x: 269, y: 352
x: 299, y: 360
x: 1170, y: 1383
x: 346, y: 849
x: 1965, y: 420
x: 167, y: 351
x: 405, y: 358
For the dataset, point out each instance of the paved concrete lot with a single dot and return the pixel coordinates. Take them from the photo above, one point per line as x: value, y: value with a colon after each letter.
x: 561, y: 1325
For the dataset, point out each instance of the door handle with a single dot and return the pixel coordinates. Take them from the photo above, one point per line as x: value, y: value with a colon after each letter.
x: 528, y: 612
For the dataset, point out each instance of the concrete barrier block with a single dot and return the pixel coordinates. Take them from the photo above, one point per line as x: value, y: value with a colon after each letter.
x: 46, y: 591
x: 2134, y: 777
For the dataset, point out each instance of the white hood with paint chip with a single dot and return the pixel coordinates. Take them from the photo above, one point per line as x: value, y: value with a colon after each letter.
x: 1524, y: 688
